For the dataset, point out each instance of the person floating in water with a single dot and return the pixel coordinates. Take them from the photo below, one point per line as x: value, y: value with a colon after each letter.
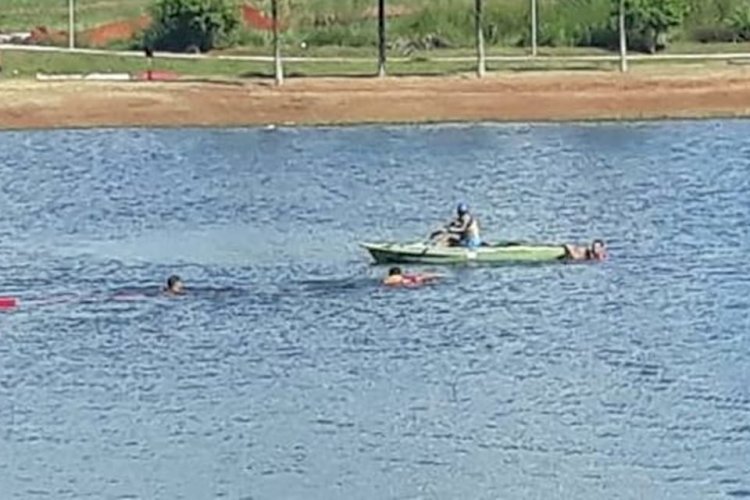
x: 396, y: 277
x: 175, y: 286
x: 597, y: 251
x: 463, y: 231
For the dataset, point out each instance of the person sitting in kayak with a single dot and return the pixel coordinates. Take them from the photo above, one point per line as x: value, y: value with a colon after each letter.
x: 175, y: 286
x: 463, y: 231
x: 597, y: 251
x: 396, y: 277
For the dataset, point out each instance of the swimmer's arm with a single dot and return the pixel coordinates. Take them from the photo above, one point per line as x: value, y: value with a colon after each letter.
x: 431, y: 276
x: 573, y: 252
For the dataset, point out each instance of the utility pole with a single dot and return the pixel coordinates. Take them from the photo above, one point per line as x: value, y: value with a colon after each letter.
x: 481, y: 63
x: 278, y: 68
x: 534, y: 28
x: 381, y: 39
x: 71, y: 24
x: 623, y: 40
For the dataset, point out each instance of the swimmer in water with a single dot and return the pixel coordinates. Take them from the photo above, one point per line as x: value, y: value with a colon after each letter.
x: 175, y: 286
x: 597, y: 251
x: 396, y: 277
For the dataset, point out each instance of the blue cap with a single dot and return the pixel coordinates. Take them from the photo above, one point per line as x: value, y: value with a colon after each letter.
x: 462, y: 208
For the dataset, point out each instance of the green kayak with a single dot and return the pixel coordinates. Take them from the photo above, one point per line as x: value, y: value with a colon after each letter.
x: 422, y: 253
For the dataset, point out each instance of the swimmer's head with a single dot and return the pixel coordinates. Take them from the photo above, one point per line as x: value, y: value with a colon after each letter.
x: 175, y: 285
x: 395, y: 271
x: 598, y: 249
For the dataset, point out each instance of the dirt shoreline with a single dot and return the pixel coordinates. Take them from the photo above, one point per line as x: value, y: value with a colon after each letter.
x: 548, y: 96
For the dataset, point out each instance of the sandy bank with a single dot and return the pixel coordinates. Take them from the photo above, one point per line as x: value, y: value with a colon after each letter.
x: 504, y: 97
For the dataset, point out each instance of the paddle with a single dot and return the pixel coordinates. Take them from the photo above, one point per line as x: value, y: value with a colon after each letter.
x: 431, y: 239
x: 436, y: 233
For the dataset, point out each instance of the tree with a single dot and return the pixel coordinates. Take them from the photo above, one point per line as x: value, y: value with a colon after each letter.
x: 381, y: 38
x: 649, y: 21
x: 190, y: 25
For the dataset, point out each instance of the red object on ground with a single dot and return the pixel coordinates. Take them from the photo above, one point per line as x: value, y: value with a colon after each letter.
x: 8, y: 303
x: 158, y: 76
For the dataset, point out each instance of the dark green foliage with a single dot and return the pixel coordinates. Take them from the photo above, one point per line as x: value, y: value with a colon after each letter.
x: 740, y: 23
x: 648, y: 21
x: 192, y: 25
x: 429, y: 24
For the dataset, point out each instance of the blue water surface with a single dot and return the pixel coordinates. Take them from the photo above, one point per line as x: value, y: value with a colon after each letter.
x: 289, y: 373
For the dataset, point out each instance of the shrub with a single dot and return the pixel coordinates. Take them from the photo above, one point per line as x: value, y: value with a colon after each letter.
x: 649, y: 21
x: 190, y: 25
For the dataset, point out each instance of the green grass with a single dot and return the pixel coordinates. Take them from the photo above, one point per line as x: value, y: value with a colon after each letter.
x: 707, y: 48
x: 26, y: 65
x: 26, y: 14
x: 290, y: 50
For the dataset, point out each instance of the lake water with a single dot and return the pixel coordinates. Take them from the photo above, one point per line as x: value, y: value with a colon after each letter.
x: 290, y: 374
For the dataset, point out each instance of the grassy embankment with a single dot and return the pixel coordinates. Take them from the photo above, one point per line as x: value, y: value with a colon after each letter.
x: 25, y: 64
x: 347, y: 22
x: 23, y: 15
x: 346, y: 28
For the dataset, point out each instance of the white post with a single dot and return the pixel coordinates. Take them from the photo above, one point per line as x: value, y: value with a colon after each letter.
x: 481, y: 64
x: 534, y: 28
x: 623, y: 40
x: 278, y: 68
x: 71, y: 24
